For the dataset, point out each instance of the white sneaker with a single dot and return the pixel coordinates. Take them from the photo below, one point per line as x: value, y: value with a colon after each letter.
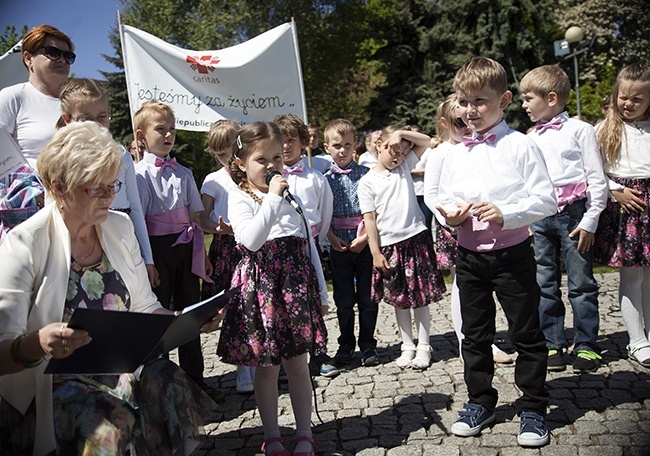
x: 408, y: 353
x: 640, y: 354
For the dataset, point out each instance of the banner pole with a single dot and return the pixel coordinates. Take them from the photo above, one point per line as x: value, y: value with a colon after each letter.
x: 128, y: 86
x: 294, y: 33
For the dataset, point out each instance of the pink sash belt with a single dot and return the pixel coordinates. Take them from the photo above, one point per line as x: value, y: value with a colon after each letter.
x: 171, y: 222
x: 569, y: 194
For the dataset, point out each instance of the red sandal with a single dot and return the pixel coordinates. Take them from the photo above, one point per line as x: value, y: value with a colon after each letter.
x: 274, y: 453
x: 313, y: 448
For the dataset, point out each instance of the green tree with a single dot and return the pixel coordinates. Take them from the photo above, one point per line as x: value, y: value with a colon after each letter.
x: 426, y: 42
x: 9, y: 37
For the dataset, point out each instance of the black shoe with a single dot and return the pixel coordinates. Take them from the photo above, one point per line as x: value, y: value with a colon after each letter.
x: 555, y: 363
x: 370, y: 357
x: 343, y: 356
x: 586, y: 361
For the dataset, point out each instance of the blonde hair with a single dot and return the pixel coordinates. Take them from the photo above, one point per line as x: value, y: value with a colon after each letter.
x: 76, y: 91
x: 221, y: 136
x: 79, y: 154
x: 546, y: 79
x: 148, y: 110
x: 247, y: 139
x: 292, y: 126
x: 481, y: 72
x: 612, y: 131
x: 447, y: 110
x: 340, y: 126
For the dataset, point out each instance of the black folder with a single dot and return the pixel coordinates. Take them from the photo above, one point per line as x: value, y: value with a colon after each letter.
x: 122, y: 341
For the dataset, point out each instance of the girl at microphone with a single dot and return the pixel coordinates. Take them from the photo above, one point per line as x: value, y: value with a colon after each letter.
x: 276, y: 318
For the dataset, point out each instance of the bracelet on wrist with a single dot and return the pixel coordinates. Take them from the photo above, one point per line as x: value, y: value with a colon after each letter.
x: 13, y: 351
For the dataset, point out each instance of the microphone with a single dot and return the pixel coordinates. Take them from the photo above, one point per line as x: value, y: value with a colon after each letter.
x: 285, y: 193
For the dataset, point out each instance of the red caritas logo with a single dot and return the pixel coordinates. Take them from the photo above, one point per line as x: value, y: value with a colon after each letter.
x: 203, y: 64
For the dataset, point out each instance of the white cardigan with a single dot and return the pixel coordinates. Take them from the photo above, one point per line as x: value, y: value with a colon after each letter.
x: 33, y: 285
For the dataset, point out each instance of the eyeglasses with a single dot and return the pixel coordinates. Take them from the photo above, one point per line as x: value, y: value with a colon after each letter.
x: 54, y: 53
x: 101, y: 119
x: 458, y: 123
x: 96, y: 192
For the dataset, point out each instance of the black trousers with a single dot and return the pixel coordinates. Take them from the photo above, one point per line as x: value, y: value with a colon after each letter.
x: 178, y: 288
x: 511, y: 274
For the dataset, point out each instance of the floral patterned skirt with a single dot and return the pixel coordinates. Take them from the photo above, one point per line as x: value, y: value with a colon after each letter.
x: 446, y: 247
x: 105, y: 414
x: 277, y: 315
x: 224, y: 256
x: 622, y: 239
x: 414, y: 279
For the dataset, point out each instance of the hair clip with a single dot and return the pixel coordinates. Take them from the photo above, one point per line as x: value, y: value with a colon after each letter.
x: 379, y: 132
x: 240, y: 146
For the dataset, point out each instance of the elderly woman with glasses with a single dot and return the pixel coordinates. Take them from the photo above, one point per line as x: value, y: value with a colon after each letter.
x: 77, y: 253
x: 29, y: 112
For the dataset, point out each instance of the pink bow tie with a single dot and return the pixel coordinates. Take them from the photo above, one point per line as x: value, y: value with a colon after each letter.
x: 162, y: 164
x: 555, y: 124
x: 489, y: 138
x: 336, y: 170
x: 298, y: 169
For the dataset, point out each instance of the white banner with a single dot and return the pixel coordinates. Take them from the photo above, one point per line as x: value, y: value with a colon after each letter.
x: 253, y: 81
x: 12, y: 70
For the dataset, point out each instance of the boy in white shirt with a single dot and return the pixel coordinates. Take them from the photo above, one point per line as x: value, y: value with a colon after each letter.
x: 492, y: 187
x: 570, y: 149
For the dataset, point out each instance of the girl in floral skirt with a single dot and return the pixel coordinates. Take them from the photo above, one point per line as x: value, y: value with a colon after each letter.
x: 406, y: 274
x: 623, y: 236
x: 451, y: 129
x: 276, y: 318
x: 222, y: 253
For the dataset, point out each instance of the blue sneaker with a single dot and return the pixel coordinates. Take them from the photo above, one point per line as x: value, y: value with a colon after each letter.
x: 472, y: 419
x: 532, y: 430
x: 328, y: 369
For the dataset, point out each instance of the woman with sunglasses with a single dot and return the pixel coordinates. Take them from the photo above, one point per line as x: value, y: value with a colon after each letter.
x: 29, y: 112
x: 77, y: 253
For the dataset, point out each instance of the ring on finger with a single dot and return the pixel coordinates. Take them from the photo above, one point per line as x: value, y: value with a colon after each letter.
x: 66, y: 348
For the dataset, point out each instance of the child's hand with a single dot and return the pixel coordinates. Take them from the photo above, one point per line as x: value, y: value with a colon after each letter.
x: 585, y: 241
x: 324, y: 310
x: 152, y: 273
x: 213, y: 324
x: 223, y: 227
x: 455, y: 218
x: 629, y: 199
x: 337, y: 243
x: 380, y: 262
x: 208, y: 266
x: 278, y: 184
x: 488, y: 212
x: 359, y: 243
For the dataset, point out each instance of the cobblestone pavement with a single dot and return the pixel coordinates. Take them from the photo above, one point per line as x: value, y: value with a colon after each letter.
x: 387, y: 411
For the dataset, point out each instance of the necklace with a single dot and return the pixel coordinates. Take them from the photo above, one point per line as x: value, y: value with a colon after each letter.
x: 79, y: 257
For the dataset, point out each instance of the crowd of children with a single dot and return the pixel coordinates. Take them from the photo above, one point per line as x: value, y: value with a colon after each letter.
x: 503, y: 211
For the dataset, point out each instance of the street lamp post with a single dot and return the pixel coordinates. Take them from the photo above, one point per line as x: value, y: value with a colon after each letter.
x: 573, y: 36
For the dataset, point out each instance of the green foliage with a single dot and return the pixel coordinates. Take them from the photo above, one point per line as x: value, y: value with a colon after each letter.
x: 9, y: 37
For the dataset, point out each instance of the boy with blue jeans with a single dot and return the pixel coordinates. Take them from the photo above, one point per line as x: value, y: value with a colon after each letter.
x: 573, y: 159
x: 492, y: 187
x: 350, y: 256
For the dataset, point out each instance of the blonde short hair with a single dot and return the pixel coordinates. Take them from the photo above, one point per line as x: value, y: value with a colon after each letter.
x: 79, y: 154
x: 148, y: 110
x: 222, y: 135
x: 546, y: 79
x: 481, y: 72
x: 340, y: 126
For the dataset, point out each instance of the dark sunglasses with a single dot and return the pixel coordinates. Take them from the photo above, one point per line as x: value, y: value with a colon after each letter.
x: 458, y: 123
x: 55, y: 53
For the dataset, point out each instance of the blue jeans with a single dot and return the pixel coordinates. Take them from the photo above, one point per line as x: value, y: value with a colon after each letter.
x: 552, y: 240
x: 351, y: 280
